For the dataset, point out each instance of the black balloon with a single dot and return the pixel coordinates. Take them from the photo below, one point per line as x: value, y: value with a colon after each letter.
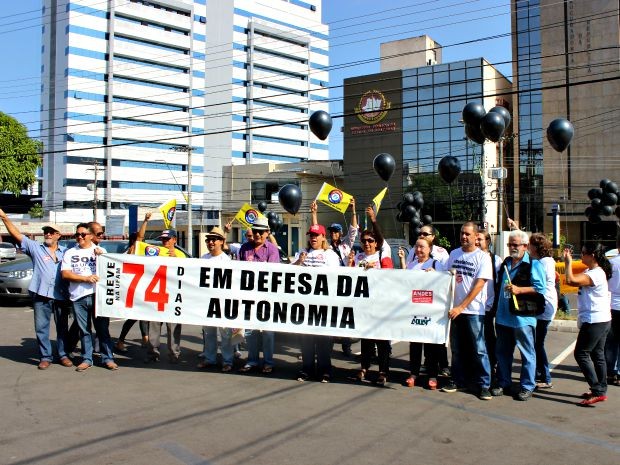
x: 609, y: 198
x: 320, y: 124
x: 262, y: 206
x: 384, y: 165
x: 473, y: 132
x: 493, y: 126
x: 505, y: 114
x: 273, y: 223
x: 594, y: 218
x: 407, y: 198
x: 290, y: 198
x: 449, y: 168
x: 559, y: 134
x: 589, y: 211
x: 418, y: 202
x: 595, y: 193
x: 473, y: 113
x: 271, y: 215
x: 607, y: 210
x: 417, y: 194
x: 611, y: 187
x: 408, y: 212
x: 415, y: 232
x: 604, y: 183
x: 427, y: 219
x: 596, y: 204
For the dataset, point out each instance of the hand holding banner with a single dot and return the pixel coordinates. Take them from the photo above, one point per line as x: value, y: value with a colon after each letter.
x: 247, y: 215
x: 334, y: 198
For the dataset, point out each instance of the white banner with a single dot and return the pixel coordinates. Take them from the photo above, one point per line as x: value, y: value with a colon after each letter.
x: 350, y: 302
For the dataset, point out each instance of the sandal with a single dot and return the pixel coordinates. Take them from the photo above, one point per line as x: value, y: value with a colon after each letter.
x: 381, y: 380
x: 267, y: 369
x: 247, y: 368
x: 432, y: 384
x: 410, y: 382
x: 361, y: 375
x: 120, y: 348
x: 226, y: 368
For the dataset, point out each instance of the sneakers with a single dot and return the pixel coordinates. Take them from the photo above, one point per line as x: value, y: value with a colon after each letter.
x: 593, y: 400
x: 499, y: 391
x: 524, y: 395
x: 325, y: 379
x: 543, y: 385
x: 450, y: 387
x: 303, y: 377
x: 485, y: 394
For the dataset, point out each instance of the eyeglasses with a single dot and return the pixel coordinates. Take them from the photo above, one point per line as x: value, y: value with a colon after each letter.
x: 82, y: 235
x: 515, y: 245
x: 258, y: 231
x: 99, y: 234
x: 212, y: 239
x: 367, y: 240
x: 425, y: 234
x: 50, y: 231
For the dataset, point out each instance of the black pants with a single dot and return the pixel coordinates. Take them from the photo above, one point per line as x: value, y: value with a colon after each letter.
x: 590, y: 355
x: 612, y: 345
x: 317, y: 348
x: 383, y: 354
x: 144, y: 329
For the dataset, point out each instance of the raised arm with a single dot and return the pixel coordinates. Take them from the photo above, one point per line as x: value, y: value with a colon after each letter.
x: 11, y: 228
x: 354, y: 215
x: 313, y: 213
x: 142, y: 231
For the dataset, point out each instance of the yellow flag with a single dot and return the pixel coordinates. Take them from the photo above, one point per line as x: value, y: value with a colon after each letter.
x: 168, y: 209
x: 334, y: 197
x: 378, y: 199
x: 150, y: 250
x: 247, y: 215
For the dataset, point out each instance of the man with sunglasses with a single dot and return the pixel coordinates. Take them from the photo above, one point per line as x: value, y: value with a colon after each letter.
x: 47, y: 289
x: 259, y: 250
x: 79, y: 267
x: 168, y: 238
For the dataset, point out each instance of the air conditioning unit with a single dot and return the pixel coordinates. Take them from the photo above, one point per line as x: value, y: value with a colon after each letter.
x: 274, y: 198
x: 497, y: 173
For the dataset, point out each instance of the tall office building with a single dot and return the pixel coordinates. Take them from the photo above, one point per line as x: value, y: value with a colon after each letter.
x: 566, y: 66
x: 140, y: 98
x: 415, y: 114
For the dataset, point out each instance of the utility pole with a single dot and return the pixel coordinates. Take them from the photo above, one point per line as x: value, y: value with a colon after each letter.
x: 93, y: 186
x: 190, y: 232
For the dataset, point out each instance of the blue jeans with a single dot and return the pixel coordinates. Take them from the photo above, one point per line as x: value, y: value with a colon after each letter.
x: 83, y: 311
x: 209, y: 335
x: 251, y: 339
x: 468, y: 344
x: 542, y: 362
x: 523, y: 338
x: 44, y: 310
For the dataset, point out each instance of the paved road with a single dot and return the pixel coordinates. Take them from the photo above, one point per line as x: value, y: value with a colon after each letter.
x: 175, y: 414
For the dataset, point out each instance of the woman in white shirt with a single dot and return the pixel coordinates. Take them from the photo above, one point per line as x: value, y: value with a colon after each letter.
x: 422, y: 262
x: 593, y: 318
x: 540, y: 248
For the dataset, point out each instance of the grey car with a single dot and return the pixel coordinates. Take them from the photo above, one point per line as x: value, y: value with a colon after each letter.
x: 7, y: 251
x: 15, y: 278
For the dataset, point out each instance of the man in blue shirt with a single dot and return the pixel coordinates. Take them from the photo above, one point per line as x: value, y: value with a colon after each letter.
x: 527, y: 277
x: 47, y: 289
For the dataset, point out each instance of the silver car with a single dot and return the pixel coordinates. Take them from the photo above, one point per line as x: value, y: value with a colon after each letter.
x: 15, y: 277
x: 7, y: 251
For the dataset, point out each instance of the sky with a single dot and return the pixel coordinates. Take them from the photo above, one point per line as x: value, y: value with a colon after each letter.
x: 357, y: 28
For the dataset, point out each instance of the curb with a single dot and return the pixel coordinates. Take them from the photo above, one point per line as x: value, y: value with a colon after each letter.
x: 564, y: 326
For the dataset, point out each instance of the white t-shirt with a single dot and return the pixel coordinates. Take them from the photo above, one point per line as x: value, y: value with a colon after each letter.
x: 470, y: 266
x: 222, y: 257
x: 84, y: 263
x: 593, y: 301
x: 372, y: 259
x: 416, y: 265
x: 319, y: 257
x: 551, y: 294
x: 614, y: 283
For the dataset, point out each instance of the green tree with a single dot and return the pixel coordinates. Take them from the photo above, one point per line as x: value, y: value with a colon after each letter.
x: 36, y: 211
x: 19, y: 155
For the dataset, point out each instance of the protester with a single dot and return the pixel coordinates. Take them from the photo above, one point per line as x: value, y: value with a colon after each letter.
x: 484, y: 242
x: 515, y: 322
x: 372, y: 257
x: 168, y: 238
x: 79, y: 267
x: 47, y: 290
x: 259, y: 250
x: 422, y: 262
x: 473, y: 270
x: 315, y: 347
x: 540, y: 249
x: 437, y: 252
x: 612, y: 344
x: 593, y: 319
x: 233, y: 248
x: 144, y: 325
x: 342, y: 246
x: 215, y: 240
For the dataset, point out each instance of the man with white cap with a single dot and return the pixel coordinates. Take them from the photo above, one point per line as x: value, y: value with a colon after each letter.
x: 168, y: 238
x: 259, y: 250
x: 48, y: 291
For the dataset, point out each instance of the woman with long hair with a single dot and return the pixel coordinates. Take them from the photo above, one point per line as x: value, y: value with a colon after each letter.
x: 540, y: 248
x: 371, y: 257
x: 422, y: 262
x: 593, y: 319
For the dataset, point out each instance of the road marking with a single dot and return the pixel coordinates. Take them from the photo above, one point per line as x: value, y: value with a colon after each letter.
x: 116, y: 320
x: 183, y: 454
x: 560, y: 358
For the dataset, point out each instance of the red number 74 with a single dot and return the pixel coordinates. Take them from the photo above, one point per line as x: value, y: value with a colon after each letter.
x: 160, y: 297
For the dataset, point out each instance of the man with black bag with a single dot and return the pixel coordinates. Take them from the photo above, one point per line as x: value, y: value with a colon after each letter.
x: 519, y: 299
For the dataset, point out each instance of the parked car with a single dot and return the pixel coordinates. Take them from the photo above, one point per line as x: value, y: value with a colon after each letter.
x: 7, y: 251
x: 15, y: 276
x: 111, y: 246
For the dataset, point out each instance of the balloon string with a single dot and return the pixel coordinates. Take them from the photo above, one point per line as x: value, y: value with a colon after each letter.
x: 394, y: 216
x: 452, y: 212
